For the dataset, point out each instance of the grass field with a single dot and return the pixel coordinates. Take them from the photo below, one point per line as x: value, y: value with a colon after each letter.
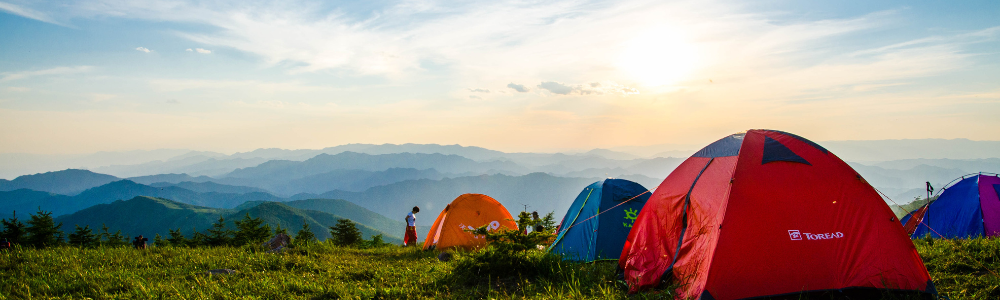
x: 961, y: 270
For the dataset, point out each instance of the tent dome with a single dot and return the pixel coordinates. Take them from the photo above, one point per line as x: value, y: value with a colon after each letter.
x: 770, y: 214
x: 967, y: 209
x: 468, y: 211
x: 598, y: 221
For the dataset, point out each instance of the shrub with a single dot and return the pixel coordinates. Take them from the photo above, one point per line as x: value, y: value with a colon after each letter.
x: 345, y: 233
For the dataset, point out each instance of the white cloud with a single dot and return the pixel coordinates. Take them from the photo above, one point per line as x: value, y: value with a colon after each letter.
x: 188, y: 50
x: 520, y: 88
x: 53, y: 71
x: 478, y: 90
x: 202, y: 51
x: 27, y: 13
x: 143, y: 49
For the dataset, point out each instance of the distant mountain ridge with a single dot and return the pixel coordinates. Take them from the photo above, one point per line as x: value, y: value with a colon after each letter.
x: 66, y: 182
x: 149, y: 216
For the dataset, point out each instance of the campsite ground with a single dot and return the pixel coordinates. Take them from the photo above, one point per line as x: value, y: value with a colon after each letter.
x: 962, y: 270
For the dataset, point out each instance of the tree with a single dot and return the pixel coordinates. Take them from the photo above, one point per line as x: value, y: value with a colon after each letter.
x: 305, y: 235
x: 177, y: 239
x: 197, y: 238
x: 159, y: 241
x: 250, y: 231
x: 84, y: 237
x: 345, y: 233
x: 279, y: 230
x: 13, y: 230
x: 219, y: 235
x: 549, y: 221
x: 43, y: 231
x: 117, y: 240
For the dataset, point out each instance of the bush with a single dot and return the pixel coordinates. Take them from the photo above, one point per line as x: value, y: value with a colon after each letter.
x: 345, y: 233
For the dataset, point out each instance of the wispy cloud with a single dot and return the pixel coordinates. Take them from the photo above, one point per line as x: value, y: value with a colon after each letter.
x: 143, y: 49
x: 27, y: 13
x: 45, y: 72
x: 199, y: 50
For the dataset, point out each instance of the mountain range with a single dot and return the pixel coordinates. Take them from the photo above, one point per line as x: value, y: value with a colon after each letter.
x: 149, y: 216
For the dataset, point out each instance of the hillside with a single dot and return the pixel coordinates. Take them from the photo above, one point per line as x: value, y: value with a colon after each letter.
x: 25, y: 201
x: 65, y: 182
x: 324, y: 163
x: 541, y: 192
x: 150, y: 216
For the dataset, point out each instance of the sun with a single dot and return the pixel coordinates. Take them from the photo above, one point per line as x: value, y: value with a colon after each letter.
x: 659, y: 56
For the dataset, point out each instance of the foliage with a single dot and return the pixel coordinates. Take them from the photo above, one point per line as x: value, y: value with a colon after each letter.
x: 345, y: 233
x: 159, y: 241
x: 42, y: 230
x: 549, y: 222
x: 84, y: 237
x: 219, y: 235
x: 177, y: 238
x: 13, y: 230
x: 250, y: 231
x: 112, y: 240
x: 963, y: 268
x: 305, y: 235
x: 375, y: 242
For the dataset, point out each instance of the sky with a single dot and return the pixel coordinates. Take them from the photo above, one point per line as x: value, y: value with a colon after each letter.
x: 107, y: 75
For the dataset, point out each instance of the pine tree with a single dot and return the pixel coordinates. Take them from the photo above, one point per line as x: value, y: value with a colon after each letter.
x: 305, y: 235
x: 13, y: 230
x: 549, y: 221
x: 197, y: 239
x: 219, y: 235
x: 43, y: 231
x: 177, y: 239
x: 250, y: 231
x: 159, y: 241
x: 116, y: 240
x: 345, y: 233
x: 83, y: 237
x: 279, y: 230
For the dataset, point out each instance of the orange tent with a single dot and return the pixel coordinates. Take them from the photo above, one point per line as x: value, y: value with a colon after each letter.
x: 468, y: 211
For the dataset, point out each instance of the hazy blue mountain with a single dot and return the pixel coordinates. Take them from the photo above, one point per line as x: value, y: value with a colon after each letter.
x: 149, y: 216
x: 209, y: 187
x: 16, y: 164
x: 119, y: 190
x: 895, y: 182
x: 324, y: 163
x: 25, y: 201
x: 195, y: 165
x: 886, y: 150
x: 170, y: 178
x: 541, y: 192
x: 967, y: 165
x: 66, y: 182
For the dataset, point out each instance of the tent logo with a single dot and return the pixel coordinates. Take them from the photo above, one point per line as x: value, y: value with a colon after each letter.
x: 795, y: 235
x: 630, y: 214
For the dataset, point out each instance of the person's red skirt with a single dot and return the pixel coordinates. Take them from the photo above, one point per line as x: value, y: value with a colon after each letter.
x: 411, y: 236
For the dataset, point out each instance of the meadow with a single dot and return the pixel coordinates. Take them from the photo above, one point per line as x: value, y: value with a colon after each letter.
x: 962, y: 269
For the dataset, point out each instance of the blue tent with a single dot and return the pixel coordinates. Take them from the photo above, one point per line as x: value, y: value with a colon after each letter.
x: 599, y: 220
x: 967, y: 209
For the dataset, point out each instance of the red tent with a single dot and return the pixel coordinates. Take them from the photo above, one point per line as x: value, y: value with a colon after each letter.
x: 769, y: 214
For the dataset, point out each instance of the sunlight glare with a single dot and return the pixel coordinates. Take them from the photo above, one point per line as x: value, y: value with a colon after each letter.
x: 660, y: 56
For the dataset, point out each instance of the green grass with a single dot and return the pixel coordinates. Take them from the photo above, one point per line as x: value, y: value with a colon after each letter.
x: 322, y: 271
x: 963, y: 269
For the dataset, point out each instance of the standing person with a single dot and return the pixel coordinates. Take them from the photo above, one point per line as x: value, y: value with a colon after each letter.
x: 5, y: 245
x: 410, y: 238
x: 139, y: 242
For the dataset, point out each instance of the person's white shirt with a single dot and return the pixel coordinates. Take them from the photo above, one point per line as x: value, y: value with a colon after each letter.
x: 411, y: 219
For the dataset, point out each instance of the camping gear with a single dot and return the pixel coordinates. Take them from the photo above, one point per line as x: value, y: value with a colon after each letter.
x: 467, y: 212
x: 770, y: 214
x: 969, y: 208
x: 599, y: 220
